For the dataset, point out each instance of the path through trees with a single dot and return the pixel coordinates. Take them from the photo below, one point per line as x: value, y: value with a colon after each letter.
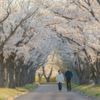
x: 50, y: 92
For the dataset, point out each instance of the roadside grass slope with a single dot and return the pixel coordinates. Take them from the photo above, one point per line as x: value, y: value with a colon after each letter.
x: 92, y: 90
x: 7, y: 92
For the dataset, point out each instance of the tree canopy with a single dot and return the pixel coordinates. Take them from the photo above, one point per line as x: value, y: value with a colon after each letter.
x: 31, y: 29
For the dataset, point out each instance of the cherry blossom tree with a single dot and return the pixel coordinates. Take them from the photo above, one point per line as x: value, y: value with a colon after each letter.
x: 9, y: 27
x: 76, y: 15
x: 29, y: 33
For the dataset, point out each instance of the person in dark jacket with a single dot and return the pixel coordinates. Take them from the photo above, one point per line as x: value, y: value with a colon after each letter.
x: 68, y: 76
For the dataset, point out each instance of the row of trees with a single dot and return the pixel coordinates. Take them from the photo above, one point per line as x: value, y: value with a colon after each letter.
x: 77, y: 24
x: 24, y: 46
x: 81, y: 29
x: 12, y: 34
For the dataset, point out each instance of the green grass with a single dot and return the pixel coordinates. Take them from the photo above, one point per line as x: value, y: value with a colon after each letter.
x: 26, y: 87
x: 92, y: 90
x: 7, y: 92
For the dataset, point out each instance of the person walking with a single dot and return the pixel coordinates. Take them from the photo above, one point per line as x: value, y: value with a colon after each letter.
x: 59, y: 79
x: 68, y: 76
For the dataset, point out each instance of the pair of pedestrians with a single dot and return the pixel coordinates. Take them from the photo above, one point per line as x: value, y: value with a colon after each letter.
x: 60, y: 79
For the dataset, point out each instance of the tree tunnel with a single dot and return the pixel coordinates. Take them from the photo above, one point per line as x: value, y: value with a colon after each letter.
x: 30, y: 32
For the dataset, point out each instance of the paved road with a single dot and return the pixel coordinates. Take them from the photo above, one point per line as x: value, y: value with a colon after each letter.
x: 50, y: 92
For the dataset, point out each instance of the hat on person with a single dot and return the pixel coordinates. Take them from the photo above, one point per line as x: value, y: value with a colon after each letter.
x: 68, y: 68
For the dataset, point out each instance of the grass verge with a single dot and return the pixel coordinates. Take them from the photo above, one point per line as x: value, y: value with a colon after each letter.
x: 91, y: 90
x: 7, y: 92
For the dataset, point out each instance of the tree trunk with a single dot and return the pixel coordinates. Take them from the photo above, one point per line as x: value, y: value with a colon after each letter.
x: 81, y: 80
x: 1, y: 70
x: 87, y: 80
x: 4, y: 77
x: 7, y: 78
x: 18, y: 76
x: 33, y: 77
x: 98, y: 80
x: 80, y: 75
x: 21, y: 78
x: 12, y: 76
x: 47, y: 78
x: 98, y: 71
x: 40, y: 76
x: 24, y: 76
x: 87, y: 74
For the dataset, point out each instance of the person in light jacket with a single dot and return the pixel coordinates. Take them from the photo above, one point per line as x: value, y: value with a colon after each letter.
x: 59, y: 79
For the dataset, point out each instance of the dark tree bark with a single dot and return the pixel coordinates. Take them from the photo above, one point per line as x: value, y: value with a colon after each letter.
x: 81, y: 72
x: 40, y: 76
x: 18, y: 72
x: 7, y: 80
x: 2, y: 72
x: 12, y: 76
x: 31, y: 76
x: 24, y: 76
x: 17, y: 76
x: 21, y: 78
x: 87, y: 72
x: 4, y: 77
x: 97, y: 71
x: 33, y: 79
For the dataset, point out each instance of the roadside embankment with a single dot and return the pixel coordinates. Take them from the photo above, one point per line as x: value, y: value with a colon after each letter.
x: 91, y: 90
x: 7, y: 93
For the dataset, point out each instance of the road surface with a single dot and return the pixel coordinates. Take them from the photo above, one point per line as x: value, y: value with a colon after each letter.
x: 50, y: 92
